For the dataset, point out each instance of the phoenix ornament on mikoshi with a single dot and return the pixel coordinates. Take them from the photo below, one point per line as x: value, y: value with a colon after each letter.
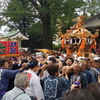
x: 78, y: 39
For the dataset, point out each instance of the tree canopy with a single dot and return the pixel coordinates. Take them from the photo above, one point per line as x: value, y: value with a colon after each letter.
x: 46, y: 15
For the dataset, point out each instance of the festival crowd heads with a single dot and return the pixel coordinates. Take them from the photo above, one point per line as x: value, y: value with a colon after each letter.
x: 49, y: 77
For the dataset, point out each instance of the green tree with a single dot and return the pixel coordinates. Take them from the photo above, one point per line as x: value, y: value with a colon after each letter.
x: 25, y: 13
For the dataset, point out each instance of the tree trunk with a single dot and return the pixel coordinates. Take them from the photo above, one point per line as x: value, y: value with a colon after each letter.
x: 47, y: 36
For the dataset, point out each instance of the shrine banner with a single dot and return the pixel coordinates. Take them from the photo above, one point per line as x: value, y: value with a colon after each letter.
x: 8, y: 48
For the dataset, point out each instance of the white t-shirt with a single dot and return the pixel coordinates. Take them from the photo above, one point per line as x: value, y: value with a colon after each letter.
x: 34, y: 88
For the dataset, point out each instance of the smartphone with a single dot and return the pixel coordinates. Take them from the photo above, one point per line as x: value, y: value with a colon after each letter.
x: 76, y: 80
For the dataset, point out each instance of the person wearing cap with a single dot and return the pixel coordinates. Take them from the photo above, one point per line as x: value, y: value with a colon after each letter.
x: 34, y: 90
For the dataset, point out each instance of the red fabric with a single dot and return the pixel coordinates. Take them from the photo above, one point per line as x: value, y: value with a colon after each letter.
x: 8, y: 48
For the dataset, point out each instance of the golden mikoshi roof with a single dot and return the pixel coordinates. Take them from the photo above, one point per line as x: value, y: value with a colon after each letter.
x: 77, y: 33
x: 78, y: 29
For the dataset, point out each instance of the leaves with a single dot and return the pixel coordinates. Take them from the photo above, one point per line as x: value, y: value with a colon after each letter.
x: 42, y: 16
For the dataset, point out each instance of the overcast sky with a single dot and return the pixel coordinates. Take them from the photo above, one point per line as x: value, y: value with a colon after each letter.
x: 3, y: 5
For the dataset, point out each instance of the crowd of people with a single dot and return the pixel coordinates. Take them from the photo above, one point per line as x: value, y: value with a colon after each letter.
x: 49, y: 77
